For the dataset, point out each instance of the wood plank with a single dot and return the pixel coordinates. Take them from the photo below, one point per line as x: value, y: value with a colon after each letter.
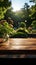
x: 19, y: 44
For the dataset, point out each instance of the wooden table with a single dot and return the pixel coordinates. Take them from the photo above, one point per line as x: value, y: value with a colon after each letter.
x: 19, y: 44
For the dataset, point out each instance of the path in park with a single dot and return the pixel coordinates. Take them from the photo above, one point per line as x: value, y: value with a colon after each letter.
x: 19, y: 44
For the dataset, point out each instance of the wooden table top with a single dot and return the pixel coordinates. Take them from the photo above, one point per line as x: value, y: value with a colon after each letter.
x: 19, y: 44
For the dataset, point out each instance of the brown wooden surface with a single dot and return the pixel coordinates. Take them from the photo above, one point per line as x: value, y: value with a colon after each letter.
x: 19, y: 44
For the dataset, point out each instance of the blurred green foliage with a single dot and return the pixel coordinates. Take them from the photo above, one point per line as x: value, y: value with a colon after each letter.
x: 24, y: 21
x: 4, y: 5
x: 5, y: 29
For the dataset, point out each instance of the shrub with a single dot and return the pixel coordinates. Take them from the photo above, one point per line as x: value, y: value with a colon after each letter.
x: 34, y: 24
x: 24, y: 30
x: 22, y: 24
x: 5, y: 29
x: 20, y: 33
x: 33, y: 31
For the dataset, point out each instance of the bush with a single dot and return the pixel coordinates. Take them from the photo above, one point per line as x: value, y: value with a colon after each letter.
x: 5, y: 29
x: 20, y: 33
x: 24, y: 30
x: 22, y: 24
x: 12, y: 34
x: 34, y: 24
x: 33, y: 31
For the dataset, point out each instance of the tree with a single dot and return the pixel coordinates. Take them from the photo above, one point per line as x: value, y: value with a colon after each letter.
x: 20, y: 15
x: 27, y: 12
x: 10, y: 14
x: 34, y: 1
x: 33, y: 10
x: 4, y: 5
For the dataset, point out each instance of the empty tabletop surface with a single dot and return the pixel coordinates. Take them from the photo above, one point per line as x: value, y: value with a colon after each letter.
x: 19, y: 44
